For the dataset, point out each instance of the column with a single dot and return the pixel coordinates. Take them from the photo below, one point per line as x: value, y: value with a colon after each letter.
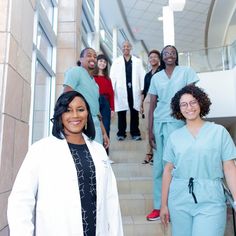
x: 168, y: 26
x: 114, y: 43
x: 68, y: 38
x: 16, y: 40
x: 96, y: 41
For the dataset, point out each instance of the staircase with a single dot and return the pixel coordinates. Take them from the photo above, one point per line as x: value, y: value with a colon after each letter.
x: 134, y: 181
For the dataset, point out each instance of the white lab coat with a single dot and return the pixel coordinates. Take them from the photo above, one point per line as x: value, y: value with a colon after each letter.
x: 47, y: 182
x: 118, y: 78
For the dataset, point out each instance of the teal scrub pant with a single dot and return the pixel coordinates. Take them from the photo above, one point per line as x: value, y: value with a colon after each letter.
x: 207, y: 217
x: 161, y: 131
x: 98, y: 130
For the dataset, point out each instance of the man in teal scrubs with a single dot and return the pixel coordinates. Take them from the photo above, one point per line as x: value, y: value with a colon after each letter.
x: 80, y: 78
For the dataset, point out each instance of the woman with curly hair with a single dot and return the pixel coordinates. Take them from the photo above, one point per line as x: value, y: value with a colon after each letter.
x: 197, y: 157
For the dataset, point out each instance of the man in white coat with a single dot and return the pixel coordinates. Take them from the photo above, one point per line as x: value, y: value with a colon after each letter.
x: 127, y: 75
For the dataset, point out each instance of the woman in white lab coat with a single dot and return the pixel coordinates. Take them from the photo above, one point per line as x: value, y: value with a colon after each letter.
x: 65, y: 186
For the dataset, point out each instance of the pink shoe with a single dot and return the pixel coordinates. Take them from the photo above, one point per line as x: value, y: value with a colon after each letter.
x: 154, y: 215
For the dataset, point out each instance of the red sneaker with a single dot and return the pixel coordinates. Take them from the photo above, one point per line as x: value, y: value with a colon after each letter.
x: 154, y: 215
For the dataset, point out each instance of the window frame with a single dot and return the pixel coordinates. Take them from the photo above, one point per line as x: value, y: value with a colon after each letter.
x: 41, y: 18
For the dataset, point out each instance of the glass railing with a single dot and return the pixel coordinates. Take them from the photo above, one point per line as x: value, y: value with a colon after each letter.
x: 210, y: 59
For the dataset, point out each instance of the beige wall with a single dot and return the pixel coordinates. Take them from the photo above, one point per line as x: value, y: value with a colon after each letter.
x: 68, y: 38
x: 16, y: 40
x: 16, y: 33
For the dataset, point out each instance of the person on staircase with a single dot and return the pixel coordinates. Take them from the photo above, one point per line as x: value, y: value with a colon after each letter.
x: 164, y: 84
x: 66, y: 185
x: 80, y: 78
x: 106, y: 99
x: 198, y: 156
x: 127, y: 76
x: 154, y: 58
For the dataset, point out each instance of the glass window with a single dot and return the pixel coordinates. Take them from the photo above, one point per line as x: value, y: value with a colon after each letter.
x: 42, y: 98
x: 232, y: 55
x: 43, y: 45
x: 48, y: 8
x: 43, y: 76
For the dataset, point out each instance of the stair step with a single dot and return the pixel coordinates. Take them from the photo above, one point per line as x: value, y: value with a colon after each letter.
x: 134, y: 181
x: 136, y: 204
x: 134, y: 185
x: 131, y: 170
x: 128, y: 144
x: 138, y: 226
x: 128, y: 156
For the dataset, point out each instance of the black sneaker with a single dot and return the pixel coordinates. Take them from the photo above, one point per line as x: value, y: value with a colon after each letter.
x: 151, y: 162
x: 137, y: 138
x: 120, y: 138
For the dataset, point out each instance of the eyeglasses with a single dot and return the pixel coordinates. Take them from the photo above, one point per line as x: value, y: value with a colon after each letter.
x: 184, y: 105
x: 165, y: 54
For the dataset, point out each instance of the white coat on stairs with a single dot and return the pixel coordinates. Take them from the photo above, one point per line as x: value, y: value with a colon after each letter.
x: 45, y: 200
x: 118, y: 78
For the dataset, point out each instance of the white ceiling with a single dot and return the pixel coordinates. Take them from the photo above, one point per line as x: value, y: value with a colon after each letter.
x: 141, y: 18
x: 202, y: 23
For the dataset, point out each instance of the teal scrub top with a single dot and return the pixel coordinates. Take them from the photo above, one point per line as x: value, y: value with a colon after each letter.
x: 201, y: 156
x: 165, y: 88
x: 79, y: 79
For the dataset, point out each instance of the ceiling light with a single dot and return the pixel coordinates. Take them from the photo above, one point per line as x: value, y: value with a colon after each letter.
x: 160, y: 18
x: 177, y: 5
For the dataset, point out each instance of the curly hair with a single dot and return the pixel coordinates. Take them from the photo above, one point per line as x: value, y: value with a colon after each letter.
x: 61, y: 107
x: 198, y: 93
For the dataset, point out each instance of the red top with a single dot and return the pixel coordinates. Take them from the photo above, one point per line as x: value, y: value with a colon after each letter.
x: 105, y: 89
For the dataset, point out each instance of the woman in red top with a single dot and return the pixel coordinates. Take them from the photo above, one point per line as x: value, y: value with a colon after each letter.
x: 105, y: 90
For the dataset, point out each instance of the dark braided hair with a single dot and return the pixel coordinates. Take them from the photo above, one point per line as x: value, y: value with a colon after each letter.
x: 82, y: 55
x: 162, y: 63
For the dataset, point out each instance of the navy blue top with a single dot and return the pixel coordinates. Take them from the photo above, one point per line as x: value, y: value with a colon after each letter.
x: 147, y: 81
x: 87, y: 186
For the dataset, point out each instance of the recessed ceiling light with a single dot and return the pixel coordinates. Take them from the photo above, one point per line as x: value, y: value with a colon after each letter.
x: 177, y: 5
x: 160, y: 18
